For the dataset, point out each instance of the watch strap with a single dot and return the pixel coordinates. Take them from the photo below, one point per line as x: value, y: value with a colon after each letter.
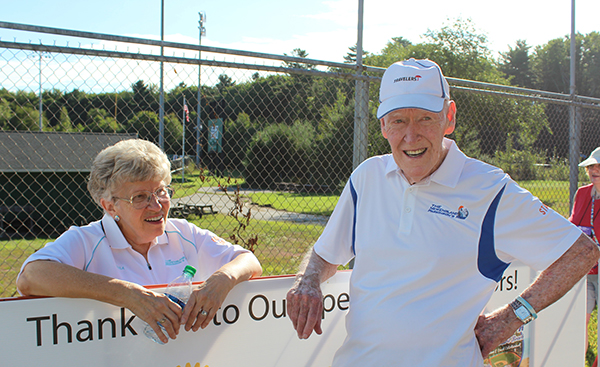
x: 528, y: 307
x: 523, y: 310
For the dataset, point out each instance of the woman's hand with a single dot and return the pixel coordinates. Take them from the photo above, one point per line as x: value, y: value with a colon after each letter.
x: 206, y: 300
x: 209, y: 296
x: 154, y: 308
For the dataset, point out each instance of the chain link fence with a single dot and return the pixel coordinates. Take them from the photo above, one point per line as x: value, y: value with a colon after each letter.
x: 260, y: 152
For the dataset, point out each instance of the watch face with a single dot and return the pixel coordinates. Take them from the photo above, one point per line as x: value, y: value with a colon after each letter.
x: 522, y: 313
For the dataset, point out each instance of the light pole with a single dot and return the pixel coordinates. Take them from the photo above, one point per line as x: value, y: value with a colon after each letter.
x: 202, y: 32
x: 42, y: 55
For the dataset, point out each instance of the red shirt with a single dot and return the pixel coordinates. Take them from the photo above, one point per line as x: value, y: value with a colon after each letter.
x: 581, y: 214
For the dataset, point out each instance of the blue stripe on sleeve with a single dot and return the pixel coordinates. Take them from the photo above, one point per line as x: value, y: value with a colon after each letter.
x: 488, y: 263
x: 354, y: 200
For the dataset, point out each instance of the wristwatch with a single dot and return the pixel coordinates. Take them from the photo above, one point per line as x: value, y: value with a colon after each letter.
x: 523, y: 310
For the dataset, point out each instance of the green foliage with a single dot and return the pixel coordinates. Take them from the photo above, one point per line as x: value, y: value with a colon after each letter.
x: 462, y: 52
x: 100, y: 121
x: 279, y: 153
x: 519, y: 164
x: 592, y: 351
x: 298, y: 52
x: 515, y: 64
x: 6, y: 114
x: 237, y: 136
x: 24, y: 118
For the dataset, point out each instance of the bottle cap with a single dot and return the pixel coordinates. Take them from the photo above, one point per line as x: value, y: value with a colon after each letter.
x: 190, y: 270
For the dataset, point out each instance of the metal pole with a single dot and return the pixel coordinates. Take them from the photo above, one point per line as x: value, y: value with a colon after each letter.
x: 183, y: 144
x: 574, y: 131
x: 161, y: 107
x: 40, y: 92
x: 199, y: 107
x: 360, y: 110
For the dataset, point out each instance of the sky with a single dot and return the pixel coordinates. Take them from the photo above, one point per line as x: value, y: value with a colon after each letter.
x: 323, y: 28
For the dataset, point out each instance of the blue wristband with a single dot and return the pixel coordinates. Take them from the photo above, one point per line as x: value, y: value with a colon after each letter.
x: 527, y: 306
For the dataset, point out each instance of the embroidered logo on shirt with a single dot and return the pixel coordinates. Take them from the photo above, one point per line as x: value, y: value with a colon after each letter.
x: 174, y: 262
x: 461, y: 213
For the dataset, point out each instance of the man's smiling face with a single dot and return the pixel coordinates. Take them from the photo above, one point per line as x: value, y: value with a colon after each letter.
x: 416, y: 138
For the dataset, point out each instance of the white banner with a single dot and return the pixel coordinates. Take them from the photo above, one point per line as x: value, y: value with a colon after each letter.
x: 252, y: 329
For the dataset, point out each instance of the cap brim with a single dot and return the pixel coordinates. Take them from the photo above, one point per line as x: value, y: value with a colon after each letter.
x: 589, y: 162
x: 423, y: 101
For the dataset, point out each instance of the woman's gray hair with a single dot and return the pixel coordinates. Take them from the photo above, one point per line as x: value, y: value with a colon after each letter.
x: 127, y: 161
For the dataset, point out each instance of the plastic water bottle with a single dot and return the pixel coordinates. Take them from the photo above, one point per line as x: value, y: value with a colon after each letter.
x: 178, y: 291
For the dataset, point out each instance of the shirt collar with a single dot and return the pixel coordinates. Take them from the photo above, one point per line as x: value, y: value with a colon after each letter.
x: 447, y: 173
x: 115, y: 237
x: 451, y: 168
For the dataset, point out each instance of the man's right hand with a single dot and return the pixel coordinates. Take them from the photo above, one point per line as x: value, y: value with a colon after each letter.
x: 305, y: 305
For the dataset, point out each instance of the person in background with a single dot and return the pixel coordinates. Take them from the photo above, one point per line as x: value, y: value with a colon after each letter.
x: 584, y: 215
x: 136, y: 244
x: 431, y: 232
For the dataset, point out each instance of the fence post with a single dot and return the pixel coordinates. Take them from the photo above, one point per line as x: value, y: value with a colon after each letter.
x: 361, y: 100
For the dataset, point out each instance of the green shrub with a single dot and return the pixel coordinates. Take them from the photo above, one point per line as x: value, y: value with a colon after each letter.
x: 279, y: 153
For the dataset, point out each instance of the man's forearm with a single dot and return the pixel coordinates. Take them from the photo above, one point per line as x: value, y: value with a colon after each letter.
x: 315, y: 268
x: 563, y: 274
x: 553, y: 283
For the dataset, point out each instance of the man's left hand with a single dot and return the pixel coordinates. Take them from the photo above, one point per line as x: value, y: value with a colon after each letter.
x: 494, y: 329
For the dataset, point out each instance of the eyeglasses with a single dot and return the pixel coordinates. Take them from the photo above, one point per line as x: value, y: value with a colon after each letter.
x: 142, y: 198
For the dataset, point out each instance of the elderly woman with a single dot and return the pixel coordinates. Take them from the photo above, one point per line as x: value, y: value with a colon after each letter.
x: 135, y: 243
x: 586, y: 207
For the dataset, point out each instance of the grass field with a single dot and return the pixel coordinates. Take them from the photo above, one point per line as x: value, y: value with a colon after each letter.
x: 13, y: 253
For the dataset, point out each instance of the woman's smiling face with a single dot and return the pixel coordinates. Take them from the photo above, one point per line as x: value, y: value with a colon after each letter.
x: 593, y: 172
x: 140, y: 226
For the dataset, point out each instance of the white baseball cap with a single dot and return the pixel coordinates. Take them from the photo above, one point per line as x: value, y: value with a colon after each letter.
x: 594, y: 158
x: 413, y: 84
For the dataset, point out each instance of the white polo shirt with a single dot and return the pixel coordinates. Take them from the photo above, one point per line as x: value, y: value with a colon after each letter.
x: 428, y: 256
x: 101, y: 248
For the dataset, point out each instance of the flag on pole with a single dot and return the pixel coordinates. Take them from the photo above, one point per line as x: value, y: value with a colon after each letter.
x: 187, y: 112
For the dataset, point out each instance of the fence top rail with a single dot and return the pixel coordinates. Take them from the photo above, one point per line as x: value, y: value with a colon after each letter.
x: 519, y: 90
x: 358, y: 68
x: 150, y: 42
x: 182, y: 60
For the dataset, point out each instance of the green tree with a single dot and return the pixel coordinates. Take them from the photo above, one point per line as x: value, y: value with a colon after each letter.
x: 6, y: 114
x: 280, y: 153
x: 350, y: 57
x: 143, y: 96
x: 24, y: 118
x: 224, y: 83
x: 52, y: 101
x: 101, y: 121
x: 515, y: 63
x: 551, y: 70
x: 298, y: 52
x: 550, y: 66
x: 64, y: 123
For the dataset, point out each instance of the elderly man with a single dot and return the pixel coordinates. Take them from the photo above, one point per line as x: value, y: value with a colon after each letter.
x: 431, y: 232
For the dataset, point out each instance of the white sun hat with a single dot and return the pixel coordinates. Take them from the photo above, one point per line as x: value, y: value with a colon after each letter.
x: 594, y: 158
